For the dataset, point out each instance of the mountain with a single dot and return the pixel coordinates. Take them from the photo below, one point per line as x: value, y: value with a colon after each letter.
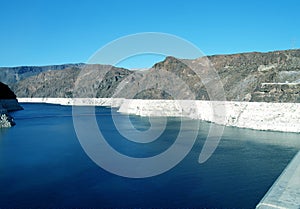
x: 256, y: 77
x: 260, y: 76
x: 269, y: 77
x: 11, y: 75
x: 61, y: 83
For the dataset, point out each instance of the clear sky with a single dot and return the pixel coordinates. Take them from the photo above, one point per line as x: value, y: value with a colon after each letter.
x: 42, y: 32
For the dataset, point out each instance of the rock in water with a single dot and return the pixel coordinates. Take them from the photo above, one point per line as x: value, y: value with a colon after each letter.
x: 6, y: 121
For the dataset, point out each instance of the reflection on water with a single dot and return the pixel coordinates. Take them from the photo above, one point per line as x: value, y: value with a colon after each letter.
x: 43, y: 165
x: 2, y: 133
x: 265, y: 137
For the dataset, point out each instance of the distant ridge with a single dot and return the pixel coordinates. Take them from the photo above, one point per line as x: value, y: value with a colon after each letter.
x: 11, y: 75
x: 252, y: 76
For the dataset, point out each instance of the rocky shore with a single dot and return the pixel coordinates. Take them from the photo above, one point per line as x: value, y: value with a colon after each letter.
x: 254, y: 115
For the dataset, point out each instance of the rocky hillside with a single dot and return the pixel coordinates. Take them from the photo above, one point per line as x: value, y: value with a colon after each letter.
x: 269, y: 77
x: 244, y: 75
x: 261, y: 77
x: 61, y: 84
x: 10, y: 75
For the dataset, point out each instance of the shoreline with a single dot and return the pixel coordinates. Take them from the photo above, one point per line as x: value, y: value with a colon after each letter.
x: 284, y: 117
x: 6, y: 106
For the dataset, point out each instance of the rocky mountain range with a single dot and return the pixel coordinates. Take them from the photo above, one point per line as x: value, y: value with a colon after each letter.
x: 261, y: 77
x: 11, y: 75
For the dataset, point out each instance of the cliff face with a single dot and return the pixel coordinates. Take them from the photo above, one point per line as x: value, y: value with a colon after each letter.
x: 262, y: 77
x: 8, y: 101
x: 5, y: 92
x: 280, y: 92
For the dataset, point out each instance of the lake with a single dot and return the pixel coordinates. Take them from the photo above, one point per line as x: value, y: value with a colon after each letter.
x: 42, y: 165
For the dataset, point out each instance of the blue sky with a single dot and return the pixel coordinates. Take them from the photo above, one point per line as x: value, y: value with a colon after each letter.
x: 42, y: 32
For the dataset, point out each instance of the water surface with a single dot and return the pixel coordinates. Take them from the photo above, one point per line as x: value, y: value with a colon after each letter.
x: 43, y: 165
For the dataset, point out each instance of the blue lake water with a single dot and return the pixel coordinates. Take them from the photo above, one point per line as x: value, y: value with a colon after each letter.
x: 43, y: 165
